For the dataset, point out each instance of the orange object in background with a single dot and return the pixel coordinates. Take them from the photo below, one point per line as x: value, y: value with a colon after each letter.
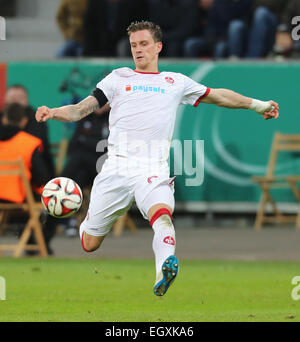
x: 2, y: 83
x: 22, y: 145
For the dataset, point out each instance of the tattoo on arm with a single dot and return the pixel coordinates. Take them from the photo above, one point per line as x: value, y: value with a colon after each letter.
x: 87, y: 106
x: 83, y: 108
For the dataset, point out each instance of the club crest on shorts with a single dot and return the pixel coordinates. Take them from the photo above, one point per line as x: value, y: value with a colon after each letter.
x: 169, y: 240
x: 149, y: 179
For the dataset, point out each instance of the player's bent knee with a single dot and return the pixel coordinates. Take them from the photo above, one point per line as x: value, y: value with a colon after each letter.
x: 90, y: 243
x: 157, y: 211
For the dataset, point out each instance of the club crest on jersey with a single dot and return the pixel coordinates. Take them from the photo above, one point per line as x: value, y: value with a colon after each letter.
x: 128, y: 87
x: 169, y: 240
x: 169, y: 80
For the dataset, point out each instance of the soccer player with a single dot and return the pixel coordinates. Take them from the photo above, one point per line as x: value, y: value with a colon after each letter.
x: 143, y: 108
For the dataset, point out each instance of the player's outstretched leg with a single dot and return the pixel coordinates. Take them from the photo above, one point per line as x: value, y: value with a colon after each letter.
x: 169, y: 272
x: 164, y: 249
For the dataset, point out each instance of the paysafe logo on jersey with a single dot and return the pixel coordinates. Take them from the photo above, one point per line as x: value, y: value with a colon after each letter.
x: 145, y: 89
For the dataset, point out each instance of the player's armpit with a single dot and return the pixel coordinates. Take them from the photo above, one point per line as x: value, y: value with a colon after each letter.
x: 104, y: 109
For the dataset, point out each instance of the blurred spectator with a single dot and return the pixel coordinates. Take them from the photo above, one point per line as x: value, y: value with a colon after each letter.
x: 285, y: 45
x: 82, y: 155
x: 266, y: 17
x: 69, y: 18
x: 177, y: 19
x: 18, y: 94
x: 8, y: 8
x: 255, y: 37
x: 15, y: 143
x: 105, y: 26
x: 219, y: 22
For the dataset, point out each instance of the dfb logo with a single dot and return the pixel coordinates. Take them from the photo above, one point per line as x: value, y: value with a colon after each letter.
x: 2, y: 28
x: 2, y: 289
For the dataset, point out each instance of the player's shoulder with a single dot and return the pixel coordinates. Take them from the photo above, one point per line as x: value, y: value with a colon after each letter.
x: 123, y: 72
x: 171, y: 73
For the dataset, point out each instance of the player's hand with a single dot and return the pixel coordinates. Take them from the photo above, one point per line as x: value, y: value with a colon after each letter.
x: 272, y: 112
x: 43, y: 114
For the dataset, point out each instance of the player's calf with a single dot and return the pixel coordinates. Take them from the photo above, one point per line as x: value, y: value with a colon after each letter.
x: 90, y: 243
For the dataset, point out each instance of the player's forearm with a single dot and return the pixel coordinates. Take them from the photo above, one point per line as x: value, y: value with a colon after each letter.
x: 230, y: 99
x: 68, y: 113
x: 75, y: 112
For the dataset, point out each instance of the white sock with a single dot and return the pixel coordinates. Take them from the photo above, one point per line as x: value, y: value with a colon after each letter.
x: 163, y: 242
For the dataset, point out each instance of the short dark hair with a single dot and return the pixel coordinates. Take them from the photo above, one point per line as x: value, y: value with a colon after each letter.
x: 18, y: 86
x: 14, y: 113
x: 154, y: 29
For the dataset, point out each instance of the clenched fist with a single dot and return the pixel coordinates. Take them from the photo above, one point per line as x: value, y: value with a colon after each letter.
x: 268, y: 109
x: 272, y: 112
x: 43, y: 114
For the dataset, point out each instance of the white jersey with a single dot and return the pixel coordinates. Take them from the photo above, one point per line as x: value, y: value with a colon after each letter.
x: 143, y: 110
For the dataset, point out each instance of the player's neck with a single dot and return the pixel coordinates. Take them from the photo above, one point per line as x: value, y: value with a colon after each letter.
x: 149, y: 69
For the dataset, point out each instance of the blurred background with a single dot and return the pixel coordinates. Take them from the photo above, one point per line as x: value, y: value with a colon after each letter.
x: 56, y: 51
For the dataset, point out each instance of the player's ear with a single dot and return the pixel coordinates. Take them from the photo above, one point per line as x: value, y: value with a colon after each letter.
x: 159, y: 47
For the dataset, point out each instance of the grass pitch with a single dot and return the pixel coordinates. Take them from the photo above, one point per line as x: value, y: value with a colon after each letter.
x: 98, y: 290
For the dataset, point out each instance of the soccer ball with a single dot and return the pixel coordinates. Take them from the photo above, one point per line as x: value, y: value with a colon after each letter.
x: 61, y: 197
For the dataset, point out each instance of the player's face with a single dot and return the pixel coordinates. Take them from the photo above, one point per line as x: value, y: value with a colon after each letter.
x: 144, y: 49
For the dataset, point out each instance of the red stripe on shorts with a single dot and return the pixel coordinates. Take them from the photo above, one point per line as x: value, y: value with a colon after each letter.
x: 82, y: 243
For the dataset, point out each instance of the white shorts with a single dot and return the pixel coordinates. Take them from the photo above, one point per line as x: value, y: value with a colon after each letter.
x: 118, y: 185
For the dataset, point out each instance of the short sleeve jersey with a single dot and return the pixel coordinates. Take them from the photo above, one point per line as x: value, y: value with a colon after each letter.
x: 143, y: 110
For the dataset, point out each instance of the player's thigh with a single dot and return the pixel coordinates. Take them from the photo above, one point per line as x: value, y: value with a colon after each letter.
x: 110, y: 199
x: 161, y: 196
